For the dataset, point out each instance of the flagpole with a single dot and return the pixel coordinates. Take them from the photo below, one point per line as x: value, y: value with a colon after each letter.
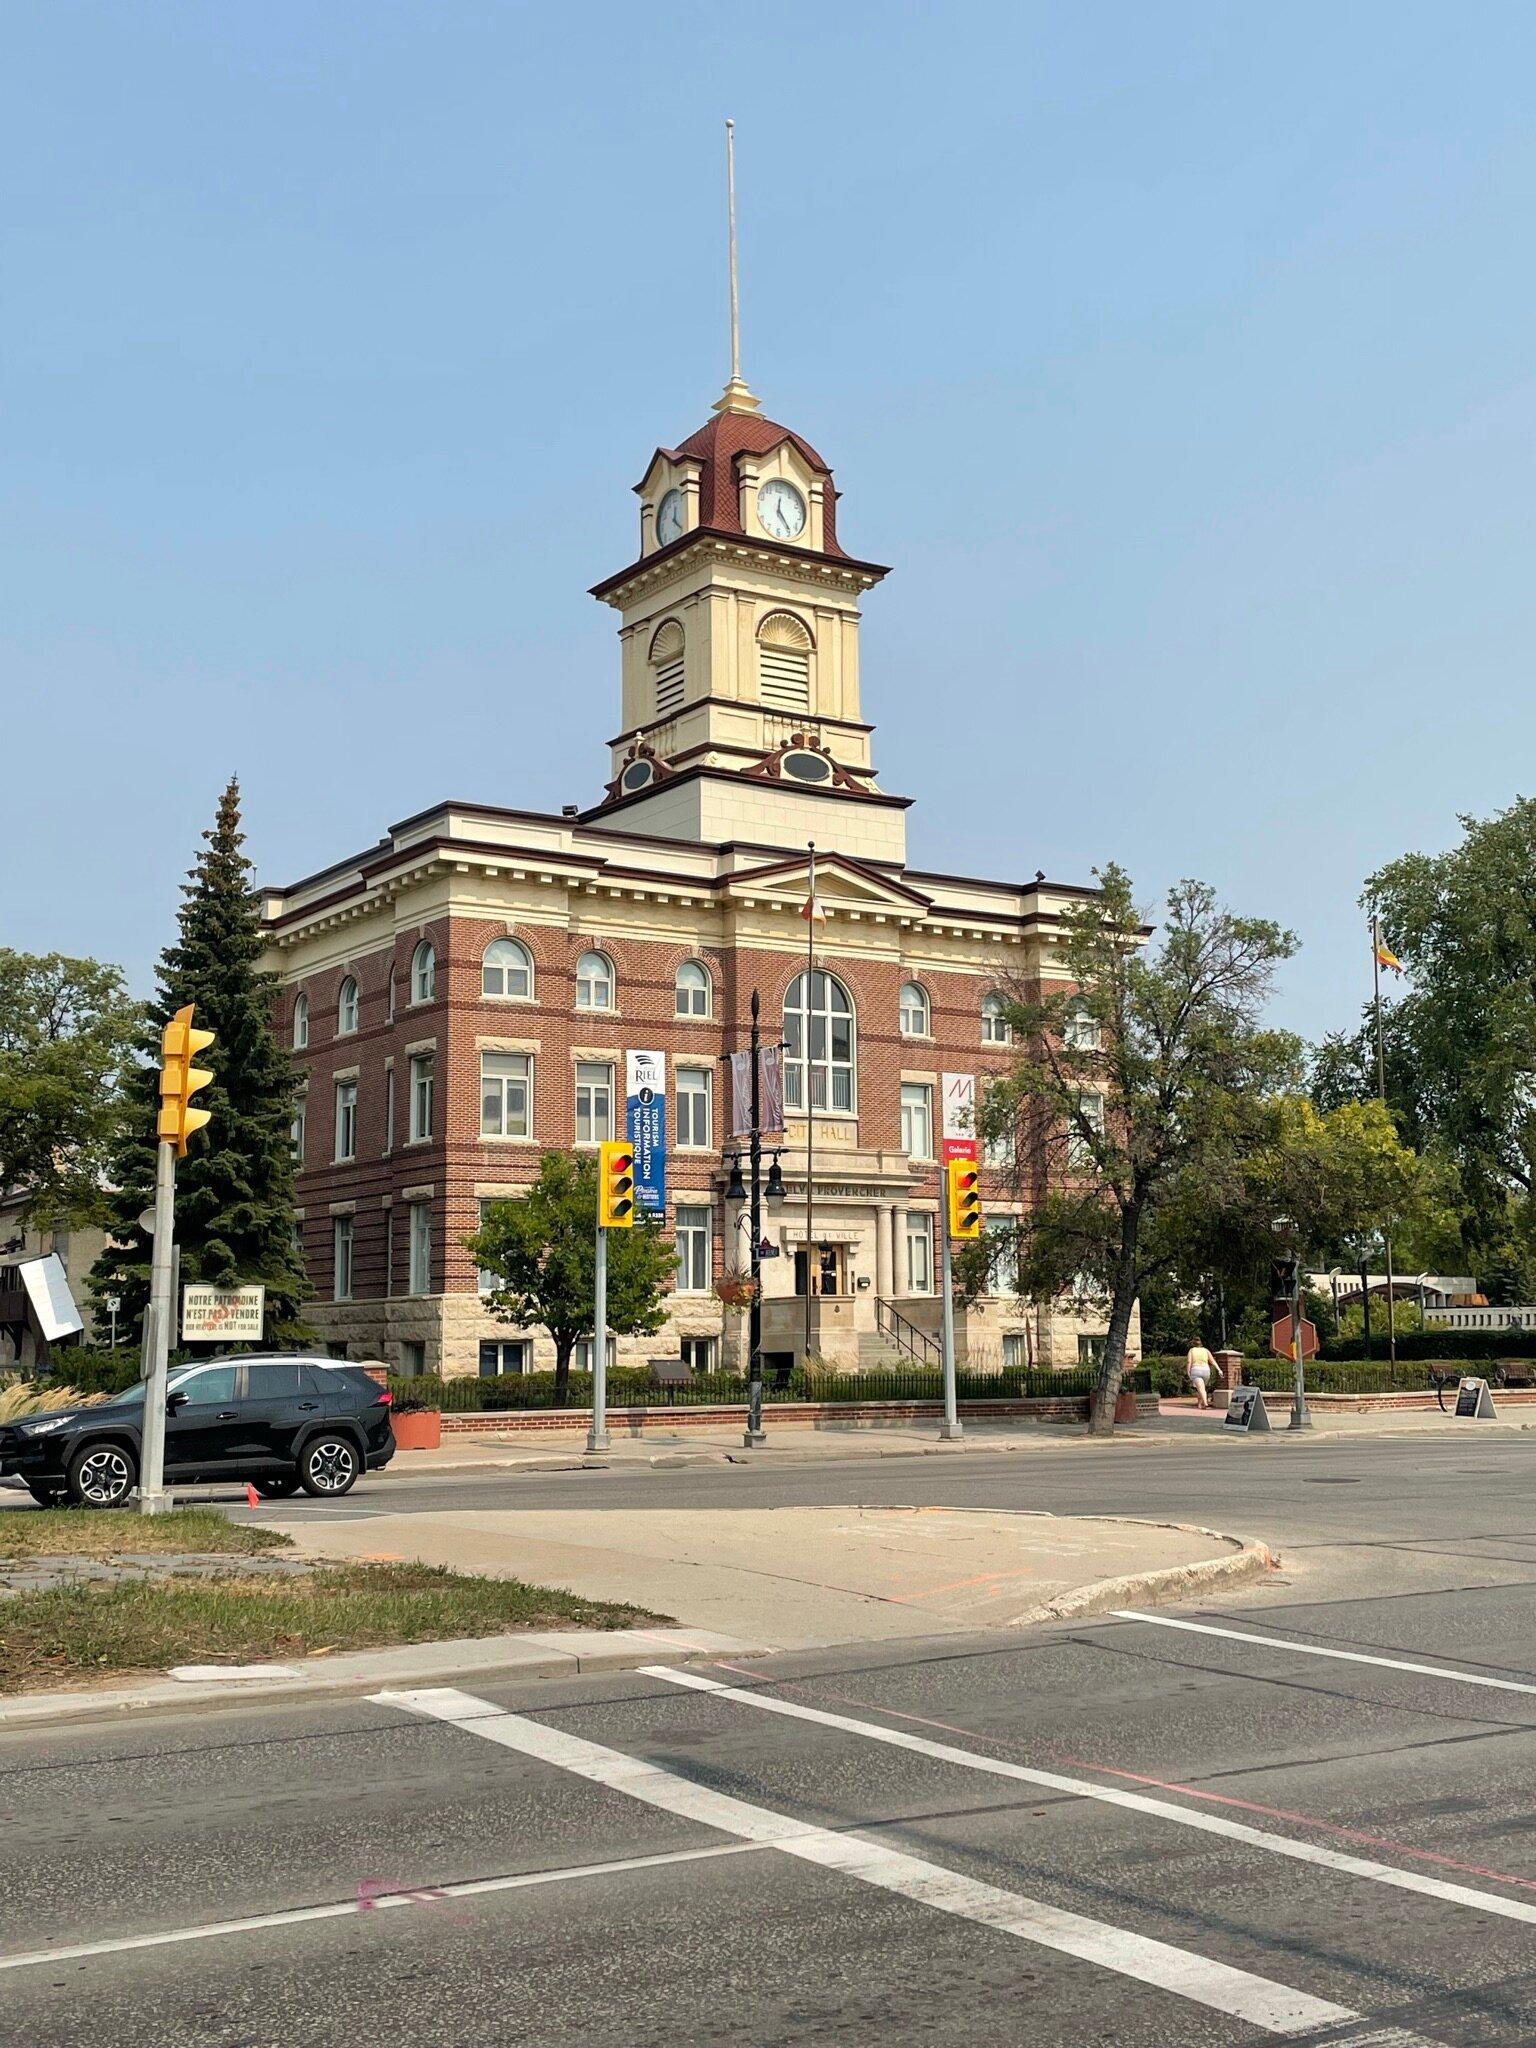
x: 1381, y: 1090
x: 810, y: 1118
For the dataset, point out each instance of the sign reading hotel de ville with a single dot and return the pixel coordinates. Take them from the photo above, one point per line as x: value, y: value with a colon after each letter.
x: 223, y: 1315
x: 645, y: 1087
x: 959, y: 1116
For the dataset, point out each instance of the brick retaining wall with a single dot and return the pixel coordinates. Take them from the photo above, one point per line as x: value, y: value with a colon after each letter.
x: 508, y: 1421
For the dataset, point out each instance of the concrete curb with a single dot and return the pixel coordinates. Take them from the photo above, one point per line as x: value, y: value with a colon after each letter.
x: 547, y: 1654
x: 1247, y: 1559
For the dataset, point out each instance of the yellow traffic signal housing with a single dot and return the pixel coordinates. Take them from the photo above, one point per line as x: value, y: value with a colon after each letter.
x: 180, y: 1043
x: 616, y: 1186
x: 964, y: 1178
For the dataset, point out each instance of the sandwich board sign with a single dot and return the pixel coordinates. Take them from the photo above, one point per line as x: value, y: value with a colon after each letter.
x: 1246, y: 1410
x: 223, y: 1315
x: 1474, y: 1399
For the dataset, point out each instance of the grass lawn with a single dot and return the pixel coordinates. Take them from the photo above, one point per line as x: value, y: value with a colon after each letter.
x: 73, y: 1632
x: 108, y: 1532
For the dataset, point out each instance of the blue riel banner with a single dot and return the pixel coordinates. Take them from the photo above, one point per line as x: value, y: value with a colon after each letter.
x: 645, y: 1085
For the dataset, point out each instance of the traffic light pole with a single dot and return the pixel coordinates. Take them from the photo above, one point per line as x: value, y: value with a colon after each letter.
x: 597, y: 1435
x: 1301, y: 1414
x: 950, y: 1428
x: 153, y: 1498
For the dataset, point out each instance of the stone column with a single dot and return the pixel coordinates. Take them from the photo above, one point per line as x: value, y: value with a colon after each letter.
x: 885, y: 1250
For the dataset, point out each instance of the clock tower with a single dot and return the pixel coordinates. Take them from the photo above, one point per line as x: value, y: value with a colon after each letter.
x: 739, y: 624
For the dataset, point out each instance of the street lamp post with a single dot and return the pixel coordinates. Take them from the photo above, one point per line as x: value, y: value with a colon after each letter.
x: 754, y: 1436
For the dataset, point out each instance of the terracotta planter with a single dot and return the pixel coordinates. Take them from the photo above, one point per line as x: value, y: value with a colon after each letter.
x: 422, y: 1431
x: 1125, y: 1406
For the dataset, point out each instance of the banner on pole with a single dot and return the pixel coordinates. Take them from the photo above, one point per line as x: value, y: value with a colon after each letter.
x: 770, y: 1091
x: 645, y: 1086
x: 958, y: 1114
x: 223, y: 1315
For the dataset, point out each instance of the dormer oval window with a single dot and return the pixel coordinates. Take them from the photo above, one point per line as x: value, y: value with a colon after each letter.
x: 807, y: 767
x: 637, y: 775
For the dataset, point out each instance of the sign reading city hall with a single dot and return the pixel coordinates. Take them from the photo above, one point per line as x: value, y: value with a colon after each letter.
x: 223, y: 1315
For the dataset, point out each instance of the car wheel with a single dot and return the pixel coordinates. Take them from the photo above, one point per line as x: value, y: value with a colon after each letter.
x: 101, y: 1476
x: 329, y: 1466
x: 279, y: 1488
x: 45, y: 1496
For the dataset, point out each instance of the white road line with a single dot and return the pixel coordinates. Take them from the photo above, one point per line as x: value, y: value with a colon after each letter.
x: 1112, y: 1795
x: 1243, y: 1635
x: 345, y: 1909
x: 1276, y: 2008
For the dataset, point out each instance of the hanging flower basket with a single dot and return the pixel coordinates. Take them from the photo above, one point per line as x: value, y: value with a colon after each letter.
x: 737, y: 1293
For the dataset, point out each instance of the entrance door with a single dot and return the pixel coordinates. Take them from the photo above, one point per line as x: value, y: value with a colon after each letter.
x: 831, y: 1270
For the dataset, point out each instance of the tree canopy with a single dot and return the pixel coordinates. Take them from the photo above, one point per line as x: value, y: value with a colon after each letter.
x: 235, y: 1219
x: 542, y: 1247
x: 67, y: 1033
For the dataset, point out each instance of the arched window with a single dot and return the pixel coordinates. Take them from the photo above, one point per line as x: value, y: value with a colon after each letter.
x: 819, y: 1044
x: 667, y: 668
x: 594, y: 982
x: 914, y: 1010
x: 506, y: 969
x: 346, y: 1008
x: 300, y: 1022
x: 995, y: 1028
x: 784, y: 663
x: 423, y: 973
x: 1080, y: 1028
x: 693, y: 990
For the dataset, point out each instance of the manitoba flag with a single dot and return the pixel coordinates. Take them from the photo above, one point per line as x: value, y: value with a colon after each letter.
x: 1385, y: 957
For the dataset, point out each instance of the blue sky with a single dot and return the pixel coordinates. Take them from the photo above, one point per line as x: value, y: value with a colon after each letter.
x: 1177, y: 357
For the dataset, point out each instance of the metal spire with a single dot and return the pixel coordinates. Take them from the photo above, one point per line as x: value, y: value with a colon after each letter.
x: 736, y: 397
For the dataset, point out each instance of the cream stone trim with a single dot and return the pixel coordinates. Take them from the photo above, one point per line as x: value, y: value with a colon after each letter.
x: 386, y: 1201
x: 420, y: 1045
x: 919, y: 1079
x: 611, y: 1053
x: 502, y: 1191
x: 507, y: 1138
x: 426, y: 1192
x: 341, y: 1074
x: 342, y: 1209
x: 531, y: 1046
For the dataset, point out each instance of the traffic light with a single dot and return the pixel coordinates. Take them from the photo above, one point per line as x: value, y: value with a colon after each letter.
x: 1282, y: 1277
x: 180, y: 1044
x: 964, y: 1178
x: 616, y: 1186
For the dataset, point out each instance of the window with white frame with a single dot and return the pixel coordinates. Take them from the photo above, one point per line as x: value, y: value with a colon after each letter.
x: 995, y: 1028
x: 1002, y: 1238
x: 698, y: 1353
x: 296, y: 1132
x: 300, y: 1022
x: 594, y: 1102
x: 694, y: 1087
x: 348, y: 1005
x: 1081, y: 1145
x: 914, y: 1010
x: 693, y: 989
x: 500, y: 1357
x: 919, y: 1252
x: 1080, y: 1028
x: 997, y: 1148
x: 423, y: 1071
x: 346, y: 1119
x: 389, y: 1109
x: 917, y: 1119
x: 506, y: 1095
x: 343, y: 1237
x: 693, y: 1248
x: 594, y: 982
x: 506, y: 969
x: 1015, y: 1351
x: 487, y: 1282
x: 819, y: 1043
x: 421, y: 1248
x: 424, y: 973
x: 581, y: 1357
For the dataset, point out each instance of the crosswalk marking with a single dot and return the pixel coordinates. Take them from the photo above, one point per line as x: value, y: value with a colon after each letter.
x: 1243, y: 1635
x: 1275, y: 2008
x: 1113, y: 1795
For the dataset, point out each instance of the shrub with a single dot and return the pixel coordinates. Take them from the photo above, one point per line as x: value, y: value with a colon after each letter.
x: 93, y: 1371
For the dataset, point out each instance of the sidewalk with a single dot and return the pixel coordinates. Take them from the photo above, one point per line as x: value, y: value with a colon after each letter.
x: 805, y: 1578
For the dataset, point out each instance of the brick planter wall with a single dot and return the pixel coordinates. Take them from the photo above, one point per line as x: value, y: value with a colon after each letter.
x: 871, y: 1414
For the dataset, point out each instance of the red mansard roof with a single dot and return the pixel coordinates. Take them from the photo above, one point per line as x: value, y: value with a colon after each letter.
x: 717, y: 444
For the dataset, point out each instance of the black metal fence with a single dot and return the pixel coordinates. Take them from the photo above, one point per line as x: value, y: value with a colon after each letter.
x: 633, y: 1388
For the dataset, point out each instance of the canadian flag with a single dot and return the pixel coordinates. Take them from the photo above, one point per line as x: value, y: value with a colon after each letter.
x: 813, y: 910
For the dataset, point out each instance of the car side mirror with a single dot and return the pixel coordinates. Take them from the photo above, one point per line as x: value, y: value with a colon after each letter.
x: 175, y: 1401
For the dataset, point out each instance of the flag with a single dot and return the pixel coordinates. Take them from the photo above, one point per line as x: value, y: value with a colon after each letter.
x: 813, y: 910
x: 1385, y: 957
x: 770, y: 1084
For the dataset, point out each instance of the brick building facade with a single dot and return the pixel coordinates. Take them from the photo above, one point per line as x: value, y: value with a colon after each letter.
x: 461, y: 997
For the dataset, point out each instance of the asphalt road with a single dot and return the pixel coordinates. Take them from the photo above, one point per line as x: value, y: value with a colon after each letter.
x: 1123, y: 1829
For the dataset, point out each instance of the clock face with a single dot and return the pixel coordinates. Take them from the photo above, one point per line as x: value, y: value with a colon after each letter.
x: 781, y: 509
x: 669, y: 517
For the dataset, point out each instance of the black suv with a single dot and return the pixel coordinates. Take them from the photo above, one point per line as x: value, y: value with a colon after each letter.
x: 281, y: 1423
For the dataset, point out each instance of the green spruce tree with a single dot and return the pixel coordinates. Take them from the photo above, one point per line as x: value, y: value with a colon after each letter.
x: 234, y: 1191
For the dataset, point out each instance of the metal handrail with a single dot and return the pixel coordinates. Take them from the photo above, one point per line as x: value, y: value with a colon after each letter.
x: 905, y: 1335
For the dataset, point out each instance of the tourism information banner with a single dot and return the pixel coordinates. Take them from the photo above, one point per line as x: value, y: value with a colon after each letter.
x: 645, y: 1085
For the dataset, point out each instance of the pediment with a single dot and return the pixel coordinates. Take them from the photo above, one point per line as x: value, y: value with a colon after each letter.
x: 842, y: 884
